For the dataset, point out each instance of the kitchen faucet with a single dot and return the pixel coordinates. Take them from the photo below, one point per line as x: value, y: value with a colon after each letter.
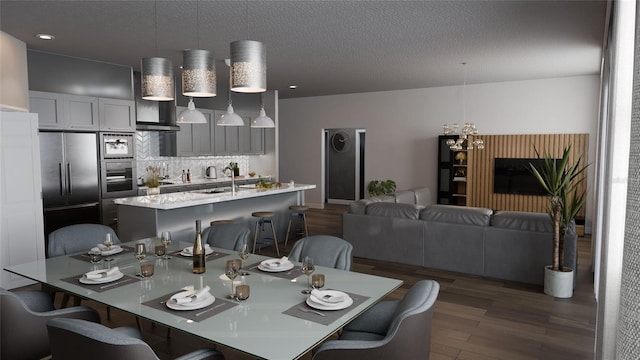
x: 233, y: 180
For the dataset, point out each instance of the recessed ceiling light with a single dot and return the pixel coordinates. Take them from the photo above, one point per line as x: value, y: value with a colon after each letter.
x: 45, y: 36
x: 293, y: 87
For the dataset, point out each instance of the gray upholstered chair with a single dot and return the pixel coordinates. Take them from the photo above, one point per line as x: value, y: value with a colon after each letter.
x: 326, y: 250
x: 74, y: 239
x: 23, y: 323
x: 226, y: 236
x: 389, y: 330
x: 77, y: 339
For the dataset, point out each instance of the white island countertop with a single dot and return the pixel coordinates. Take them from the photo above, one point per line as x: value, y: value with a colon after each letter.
x: 203, y: 197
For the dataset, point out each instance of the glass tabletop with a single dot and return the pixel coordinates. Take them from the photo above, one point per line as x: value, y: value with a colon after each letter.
x: 258, y: 326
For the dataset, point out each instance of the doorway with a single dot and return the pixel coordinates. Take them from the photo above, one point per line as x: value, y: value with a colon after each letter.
x: 344, y: 165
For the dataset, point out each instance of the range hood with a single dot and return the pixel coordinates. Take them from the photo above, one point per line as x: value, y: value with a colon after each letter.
x: 142, y: 126
x: 153, y: 115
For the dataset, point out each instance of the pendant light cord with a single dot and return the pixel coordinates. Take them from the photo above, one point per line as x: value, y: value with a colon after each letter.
x: 198, y: 24
x: 464, y: 95
x: 247, y: 16
x: 155, y: 11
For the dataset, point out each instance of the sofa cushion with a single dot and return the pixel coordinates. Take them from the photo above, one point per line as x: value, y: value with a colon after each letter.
x: 457, y: 214
x: 405, y: 197
x: 358, y: 207
x: 520, y: 220
x: 403, y: 211
x: 422, y: 196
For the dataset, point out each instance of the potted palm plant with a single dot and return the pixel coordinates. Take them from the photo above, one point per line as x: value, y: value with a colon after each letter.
x: 561, y: 180
x: 381, y: 187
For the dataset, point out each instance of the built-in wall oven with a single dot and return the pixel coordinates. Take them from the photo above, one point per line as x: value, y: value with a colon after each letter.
x: 118, y: 172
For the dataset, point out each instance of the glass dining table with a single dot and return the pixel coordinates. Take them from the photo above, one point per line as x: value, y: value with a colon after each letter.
x: 277, y: 321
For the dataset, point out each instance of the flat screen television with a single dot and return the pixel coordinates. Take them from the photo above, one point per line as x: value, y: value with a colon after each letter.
x: 513, y: 176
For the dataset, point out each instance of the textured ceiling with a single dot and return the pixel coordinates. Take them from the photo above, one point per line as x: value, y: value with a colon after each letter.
x: 331, y: 47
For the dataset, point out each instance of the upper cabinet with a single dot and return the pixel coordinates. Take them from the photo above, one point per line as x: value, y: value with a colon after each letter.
x: 83, y: 113
x: 117, y: 115
x: 196, y: 139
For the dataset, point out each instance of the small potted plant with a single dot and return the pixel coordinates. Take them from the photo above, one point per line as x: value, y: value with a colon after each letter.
x: 561, y: 181
x: 381, y: 187
x: 152, y: 180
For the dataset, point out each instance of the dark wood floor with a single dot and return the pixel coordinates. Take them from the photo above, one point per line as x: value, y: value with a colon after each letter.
x: 475, y: 318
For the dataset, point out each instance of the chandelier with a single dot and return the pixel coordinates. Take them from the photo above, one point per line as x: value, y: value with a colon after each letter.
x: 468, y: 129
x: 462, y: 142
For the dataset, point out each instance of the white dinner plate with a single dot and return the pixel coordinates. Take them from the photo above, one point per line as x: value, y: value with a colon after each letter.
x: 322, y: 305
x: 287, y: 266
x: 208, y: 300
x: 113, y: 277
x: 184, y: 252
x: 115, y: 249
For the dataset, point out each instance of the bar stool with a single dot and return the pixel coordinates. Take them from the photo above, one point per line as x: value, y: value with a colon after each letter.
x: 218, y: 222
x: 264, y: 218
x: 298, y: 211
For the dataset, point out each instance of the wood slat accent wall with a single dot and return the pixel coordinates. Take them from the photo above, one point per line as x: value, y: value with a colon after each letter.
x: 481, y: 162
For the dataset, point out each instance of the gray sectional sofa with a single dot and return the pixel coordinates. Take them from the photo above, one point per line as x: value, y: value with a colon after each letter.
x: 406, y: 228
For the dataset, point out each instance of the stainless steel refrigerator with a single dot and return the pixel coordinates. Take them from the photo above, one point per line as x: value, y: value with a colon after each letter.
x: 70, y: 179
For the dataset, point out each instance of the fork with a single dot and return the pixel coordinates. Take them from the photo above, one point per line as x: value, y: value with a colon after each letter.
x: 311, y: 311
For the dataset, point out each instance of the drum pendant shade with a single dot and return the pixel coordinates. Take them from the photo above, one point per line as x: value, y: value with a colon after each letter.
x: 157, y: 79
x: 198, y: 73
x: 248, y: 67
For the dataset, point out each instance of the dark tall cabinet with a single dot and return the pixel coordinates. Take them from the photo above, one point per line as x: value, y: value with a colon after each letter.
x: 452, y: 173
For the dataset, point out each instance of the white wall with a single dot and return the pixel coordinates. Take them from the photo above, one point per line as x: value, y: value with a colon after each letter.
x: 402, y: 126
x: 14, y: 84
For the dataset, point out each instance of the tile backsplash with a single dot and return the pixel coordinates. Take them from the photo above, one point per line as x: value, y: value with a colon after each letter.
x: 147, y: 153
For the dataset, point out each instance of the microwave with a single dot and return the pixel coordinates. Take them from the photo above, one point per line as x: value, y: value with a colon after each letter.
x: 117, y: 145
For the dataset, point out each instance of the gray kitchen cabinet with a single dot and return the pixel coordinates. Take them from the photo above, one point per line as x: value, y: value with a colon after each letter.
x: 50, y: 109
x: 229, y: 139
x: 196, y: 139
x: 253, y: 140
x: 81, y: 113
x: 117, y: 115
x: 64, y: 112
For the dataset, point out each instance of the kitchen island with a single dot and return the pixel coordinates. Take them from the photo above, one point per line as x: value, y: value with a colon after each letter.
x: 147, y: 216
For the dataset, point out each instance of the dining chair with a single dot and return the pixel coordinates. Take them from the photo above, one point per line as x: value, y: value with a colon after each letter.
x: 78, y: 238
x: 75, y: 239
x: 399, y: 329
x: 23, y: 323
x: 326, y: 250
x: 226, y: 236
x: 73, y: 339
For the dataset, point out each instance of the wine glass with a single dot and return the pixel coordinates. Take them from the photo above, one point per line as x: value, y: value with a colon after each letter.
x: 108, y: 242
x: 166, y: 240
x: 231, y: 271
x: 141, y: 252
x: 244, y: 255
x: 307, y: 269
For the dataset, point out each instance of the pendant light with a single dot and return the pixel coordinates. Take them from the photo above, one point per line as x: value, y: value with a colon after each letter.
x: 198, y: 68
x: 248, y: 64
x: 191, y: 115
x: 157, y: 74
x: 230, y: 118
x: 262, y: 120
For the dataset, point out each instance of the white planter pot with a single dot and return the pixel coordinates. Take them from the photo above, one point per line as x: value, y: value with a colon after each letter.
x: 558, y: 283
x: 153, y: 191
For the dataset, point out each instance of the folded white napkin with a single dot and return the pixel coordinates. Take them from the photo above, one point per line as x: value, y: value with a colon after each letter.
x: 103, y: 247
x: 275, y: 264
x: 101, y: 274
x: 328, y: 297
x: 191, y: 297
x: 189, y: 250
